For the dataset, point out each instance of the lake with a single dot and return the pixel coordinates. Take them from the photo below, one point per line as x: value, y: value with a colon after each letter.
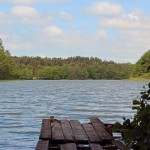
x: 23, y: 105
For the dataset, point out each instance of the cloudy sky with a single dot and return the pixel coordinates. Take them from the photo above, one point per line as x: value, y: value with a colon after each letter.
x: 116, y: 30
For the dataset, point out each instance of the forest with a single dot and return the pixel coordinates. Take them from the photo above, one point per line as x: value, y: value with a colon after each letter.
x: 72, y: 68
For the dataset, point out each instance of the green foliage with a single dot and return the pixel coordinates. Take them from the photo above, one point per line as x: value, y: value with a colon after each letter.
x: 142, y: 66
x: 57, y: 68
x: 25, y: 73
x: 51, y: 73
x: 7, y: 64
x: 136, y: 131
x: 74, y: 68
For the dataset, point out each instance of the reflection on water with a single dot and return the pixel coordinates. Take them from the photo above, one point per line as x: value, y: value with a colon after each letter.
x: 23, y: 104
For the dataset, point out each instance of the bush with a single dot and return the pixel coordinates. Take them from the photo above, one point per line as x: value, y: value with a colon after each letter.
x: 136, y: 131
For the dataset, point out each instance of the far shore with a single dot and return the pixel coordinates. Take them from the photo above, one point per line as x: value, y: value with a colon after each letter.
x: 130, y: 79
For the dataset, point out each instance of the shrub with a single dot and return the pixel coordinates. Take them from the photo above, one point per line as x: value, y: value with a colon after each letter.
x: 136, y: 131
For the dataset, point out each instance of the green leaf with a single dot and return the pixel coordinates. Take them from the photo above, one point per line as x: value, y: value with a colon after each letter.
x: 148, y: 91
x: 117, y: 126
x: 136, y: 107
x: 148, y: 98
x: 143, y: 92
x: 136, y: 102
x: 144, y: 96
x: 137, y: 128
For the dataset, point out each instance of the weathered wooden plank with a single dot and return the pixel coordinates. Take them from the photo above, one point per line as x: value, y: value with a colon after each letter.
x: 46, y: 124
x: 42, y: 145
x: 100, y: 129
x: 67, y: 131
x: 68, y: 146
x: 57, y: 134
x: 78, y: 131
x: 91, y: 133
x: 94, y: 146
x: 120, y: 145
x: 45, y: 133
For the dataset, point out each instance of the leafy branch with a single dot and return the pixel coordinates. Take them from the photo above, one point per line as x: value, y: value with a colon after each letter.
x: 136, y: 131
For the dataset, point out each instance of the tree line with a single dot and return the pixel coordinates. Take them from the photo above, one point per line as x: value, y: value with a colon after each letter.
x: 13, y: 67
x: 70, y: 68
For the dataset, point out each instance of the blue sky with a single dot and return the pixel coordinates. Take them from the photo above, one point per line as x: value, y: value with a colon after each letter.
x: 108, y: 29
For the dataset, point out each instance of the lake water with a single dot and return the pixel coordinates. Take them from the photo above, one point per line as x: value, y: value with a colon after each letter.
x: 23, y: 105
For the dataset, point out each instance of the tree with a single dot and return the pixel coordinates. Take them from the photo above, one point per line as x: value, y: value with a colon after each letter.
x: 136, y: 131
x: 25, y: 73
x: 143, y: 64
x: 73, y: 68
x: 51, y: 73
x: 7, y: 64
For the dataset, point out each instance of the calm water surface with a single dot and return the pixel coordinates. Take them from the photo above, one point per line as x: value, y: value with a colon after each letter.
x: 23, y: 104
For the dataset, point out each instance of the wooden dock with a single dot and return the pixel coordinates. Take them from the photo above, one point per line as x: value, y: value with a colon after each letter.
x: 72, y: 135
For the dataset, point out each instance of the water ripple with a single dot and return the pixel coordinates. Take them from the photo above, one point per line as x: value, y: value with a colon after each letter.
x: 26, y: 103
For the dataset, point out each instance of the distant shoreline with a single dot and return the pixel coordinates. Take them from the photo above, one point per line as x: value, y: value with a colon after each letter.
x: 130, y: 79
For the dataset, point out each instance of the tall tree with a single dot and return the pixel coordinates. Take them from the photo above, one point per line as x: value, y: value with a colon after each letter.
x: 143, y: 64
x: 6, y: 63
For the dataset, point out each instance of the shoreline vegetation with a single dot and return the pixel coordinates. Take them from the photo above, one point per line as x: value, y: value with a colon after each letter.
x: 138, y: 79
x: 71, y: 68
x: 130, y: 79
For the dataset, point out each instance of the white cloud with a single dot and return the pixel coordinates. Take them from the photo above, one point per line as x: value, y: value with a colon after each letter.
x: 1, y: 14
x: 131, y: 35
x: 18, y: 2
x: 102, y: 33
x: 24, y: 11
x: 40, y: 20
x: 134, y: 43
x: 65, y: 16
x: 14, y: 42
x: 5, y: 19
x: 104, y: 8
x: 38, y: 36
x: 29, y: 15
x: 53, y: 41
x: 137, y: 38
x: 129, y: 21
x: 53, y: 31
x: 2, y: 17
x: 3, y: 37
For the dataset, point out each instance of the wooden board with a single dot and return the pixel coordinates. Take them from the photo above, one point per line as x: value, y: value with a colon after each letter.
x: 42, y: 145
x: 94, y: 146
x: 45, y: 133
x: 100, y: 129
x: 67, y: 131
x: 46, y: 124
x: 120, y: 145
x: 68, y: 146
x: 78, y: 131
x: 91, y: 133
x: 57, y: 134
x: 72, y: 135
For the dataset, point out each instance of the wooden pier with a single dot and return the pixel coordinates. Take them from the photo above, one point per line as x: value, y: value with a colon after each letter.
x: 72, y: 135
